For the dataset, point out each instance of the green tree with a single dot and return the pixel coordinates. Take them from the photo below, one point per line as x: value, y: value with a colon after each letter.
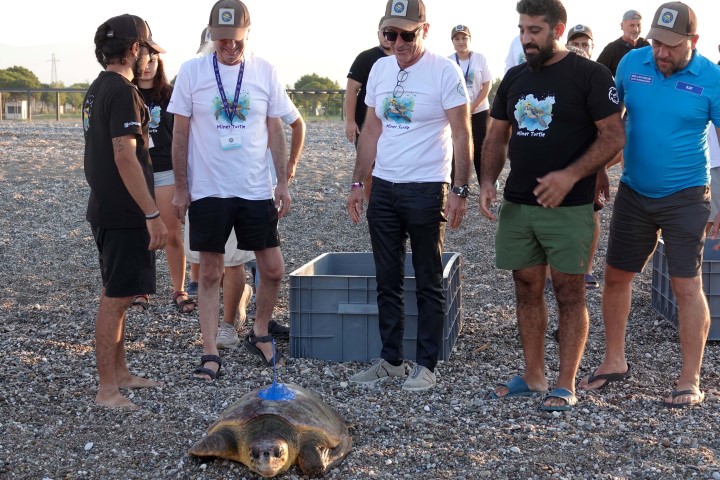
x: 18, y: 77
x: 316, y: 104
x: 493, y: 89
x: 76, y: 99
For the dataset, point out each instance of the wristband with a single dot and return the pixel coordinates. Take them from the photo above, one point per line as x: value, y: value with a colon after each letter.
x: 355, y: 185
x: 152, y: 215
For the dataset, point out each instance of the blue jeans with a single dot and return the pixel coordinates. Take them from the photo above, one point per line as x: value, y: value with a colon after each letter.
x: 398, y: 211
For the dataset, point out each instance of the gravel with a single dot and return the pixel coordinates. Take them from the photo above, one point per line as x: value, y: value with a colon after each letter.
x: 51, y: 429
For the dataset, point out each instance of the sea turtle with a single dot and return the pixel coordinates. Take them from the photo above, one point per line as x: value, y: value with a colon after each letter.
x: 270, y: 433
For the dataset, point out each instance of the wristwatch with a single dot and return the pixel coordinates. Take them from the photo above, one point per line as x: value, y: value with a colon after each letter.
x: 461, y: 192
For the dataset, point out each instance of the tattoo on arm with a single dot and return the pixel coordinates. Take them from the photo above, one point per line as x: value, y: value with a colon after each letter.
x: 117, y: 143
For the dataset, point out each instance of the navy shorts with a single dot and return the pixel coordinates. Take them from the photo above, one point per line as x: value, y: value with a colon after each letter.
x: 212, y: 219
x: 126, y: 265
x: 638, y: 220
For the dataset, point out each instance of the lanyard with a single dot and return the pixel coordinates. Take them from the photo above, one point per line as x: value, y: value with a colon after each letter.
x: 467, y: 70
x: 230, y: 113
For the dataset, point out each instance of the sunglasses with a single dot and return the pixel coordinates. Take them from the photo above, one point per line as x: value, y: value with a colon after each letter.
x: 406, y: 36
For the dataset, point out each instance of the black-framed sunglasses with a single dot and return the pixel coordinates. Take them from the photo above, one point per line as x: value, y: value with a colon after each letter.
x: 391, y: 36
x: 399, y: 90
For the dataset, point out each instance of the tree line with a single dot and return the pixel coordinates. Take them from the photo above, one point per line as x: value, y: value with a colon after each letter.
x: 21, y: 77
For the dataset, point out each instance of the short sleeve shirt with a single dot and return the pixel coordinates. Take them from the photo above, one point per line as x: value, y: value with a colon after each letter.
x: 552, y: 113
x: 360, y: 71
x: 476, y: 72
x: 113, y: 108
x: 415, y: 143
x: 667, y: 123
x: 160, y: 129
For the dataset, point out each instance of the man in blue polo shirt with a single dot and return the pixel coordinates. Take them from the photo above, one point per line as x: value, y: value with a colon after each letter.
x: 671, y: 93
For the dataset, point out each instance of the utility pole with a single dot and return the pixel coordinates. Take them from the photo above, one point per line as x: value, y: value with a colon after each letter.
x: 53, y: 71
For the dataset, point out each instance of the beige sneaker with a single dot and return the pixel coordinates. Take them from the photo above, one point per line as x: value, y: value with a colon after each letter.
x: 419, y: 379
x: 227, y: 336
x: 378, y: 371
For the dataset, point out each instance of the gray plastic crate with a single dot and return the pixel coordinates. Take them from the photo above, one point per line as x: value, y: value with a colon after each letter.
x: 334, y: 313
x: 663, y: 300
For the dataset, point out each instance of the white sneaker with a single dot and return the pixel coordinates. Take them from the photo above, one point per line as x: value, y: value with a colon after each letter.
x: 378, y: 371
x: 419, y: 379
x: 227, y: 336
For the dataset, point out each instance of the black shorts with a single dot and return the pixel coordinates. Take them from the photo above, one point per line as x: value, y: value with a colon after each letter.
x: 638, y: 220
x: 212, y: 219
x: 126, y: 265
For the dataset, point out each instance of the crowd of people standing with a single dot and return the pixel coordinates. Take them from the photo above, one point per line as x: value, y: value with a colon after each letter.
x: 157, y: 157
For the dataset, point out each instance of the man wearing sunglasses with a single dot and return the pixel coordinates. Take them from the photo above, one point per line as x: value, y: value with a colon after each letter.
x: 123, y: 216
x: 418, y: 112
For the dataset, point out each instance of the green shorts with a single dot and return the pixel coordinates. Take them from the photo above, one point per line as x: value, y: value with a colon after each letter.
x: 529, y: 235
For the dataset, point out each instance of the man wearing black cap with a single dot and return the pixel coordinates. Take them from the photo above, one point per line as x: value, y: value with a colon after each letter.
x: 121, y: 210
x: 228, y: 108
x: 671, y: 93
x: 631, y: 26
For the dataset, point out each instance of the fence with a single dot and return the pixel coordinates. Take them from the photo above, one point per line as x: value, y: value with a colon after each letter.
x: 311, y: 103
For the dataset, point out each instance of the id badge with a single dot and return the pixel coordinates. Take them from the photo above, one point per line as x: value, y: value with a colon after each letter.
x: 151, y: 144
x: 230, y: 141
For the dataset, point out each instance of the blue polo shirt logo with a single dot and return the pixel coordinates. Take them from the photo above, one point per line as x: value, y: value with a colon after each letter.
x: 636, y: 77
x: 688, y: 87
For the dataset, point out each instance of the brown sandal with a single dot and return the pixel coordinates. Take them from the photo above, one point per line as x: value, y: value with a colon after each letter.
x: 142, y: 301
x: 184, y: 303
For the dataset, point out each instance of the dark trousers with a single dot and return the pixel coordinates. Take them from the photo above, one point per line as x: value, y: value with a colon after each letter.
x: 396, y: 212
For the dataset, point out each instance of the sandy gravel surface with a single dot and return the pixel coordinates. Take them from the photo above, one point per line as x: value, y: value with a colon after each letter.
x: 50, y: 428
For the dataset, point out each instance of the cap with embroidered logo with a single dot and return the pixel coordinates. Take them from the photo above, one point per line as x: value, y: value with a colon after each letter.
x: 632, y: 15
x: 460, y: 29
x: 204, y: 39
x: 229, y: 20
x: 579, y: 30
x: 407, y: 15
x: 673, y: 22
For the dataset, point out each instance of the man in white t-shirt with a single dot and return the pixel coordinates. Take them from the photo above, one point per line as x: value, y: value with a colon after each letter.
x: 418, y: 110
x: 227, y: 110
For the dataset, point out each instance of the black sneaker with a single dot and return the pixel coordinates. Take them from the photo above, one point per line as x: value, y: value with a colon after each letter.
x: 278, y: 330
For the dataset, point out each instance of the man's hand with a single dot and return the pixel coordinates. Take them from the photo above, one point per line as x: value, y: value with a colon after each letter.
x: 158, y: 233
x: 282, y: 199
x: 455, y: 209
x: 553, y: 187
x: 488, y: 195
x: 351, y: 131
x: 180, y: 203
x: 355, y: 204
x: 602, y: 187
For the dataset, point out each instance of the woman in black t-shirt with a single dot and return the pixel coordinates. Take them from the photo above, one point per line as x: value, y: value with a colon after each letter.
x: 156, y: 92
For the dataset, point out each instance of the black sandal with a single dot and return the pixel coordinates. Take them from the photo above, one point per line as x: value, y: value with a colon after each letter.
x: 249, y: 343
x: 183, y: 303
x: 202, y: 370
x: 142, y: 301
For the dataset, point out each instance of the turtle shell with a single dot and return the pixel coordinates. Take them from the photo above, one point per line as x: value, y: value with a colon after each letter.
x: 306, y: 412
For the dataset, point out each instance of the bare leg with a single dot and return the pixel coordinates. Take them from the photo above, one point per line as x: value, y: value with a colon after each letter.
x: 174, y: 249
x: 108, y: 340
x: 616, y: 300
x: 233, y: 295
x: 594, y: 243
x: 271, y: 268
x: 532, y: 323
x: 195, y: 272
x: 694, y: 325
x: 211, y: 270
x: 573, y: 324
x: 125, y: 379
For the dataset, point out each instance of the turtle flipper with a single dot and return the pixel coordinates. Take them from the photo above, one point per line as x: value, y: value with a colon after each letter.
x: 315, y: 459
x: 221, y: 443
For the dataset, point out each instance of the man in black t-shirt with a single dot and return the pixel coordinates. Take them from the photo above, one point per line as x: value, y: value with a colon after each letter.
x: 557, y: 119
x: 631, y: 26
x: 357, y: 77
x: 121, y: 209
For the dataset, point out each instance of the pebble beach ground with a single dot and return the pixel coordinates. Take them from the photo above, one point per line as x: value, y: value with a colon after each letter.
x: 51, y: 429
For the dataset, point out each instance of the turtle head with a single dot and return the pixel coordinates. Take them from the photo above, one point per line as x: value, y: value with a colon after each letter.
x: 269, y: 456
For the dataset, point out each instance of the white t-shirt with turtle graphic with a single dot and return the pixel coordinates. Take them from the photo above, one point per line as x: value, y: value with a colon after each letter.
x: 476, y: 72
x: 415, y: 144
x: 217, y: 168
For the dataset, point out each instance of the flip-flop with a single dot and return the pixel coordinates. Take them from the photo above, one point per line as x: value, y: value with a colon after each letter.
x: 608, y: 377
x: 679, y: 393
x: 563, y: 394
x: 516, y: 388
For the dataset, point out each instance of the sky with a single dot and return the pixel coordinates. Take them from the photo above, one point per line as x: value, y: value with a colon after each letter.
x: 298, y: 37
